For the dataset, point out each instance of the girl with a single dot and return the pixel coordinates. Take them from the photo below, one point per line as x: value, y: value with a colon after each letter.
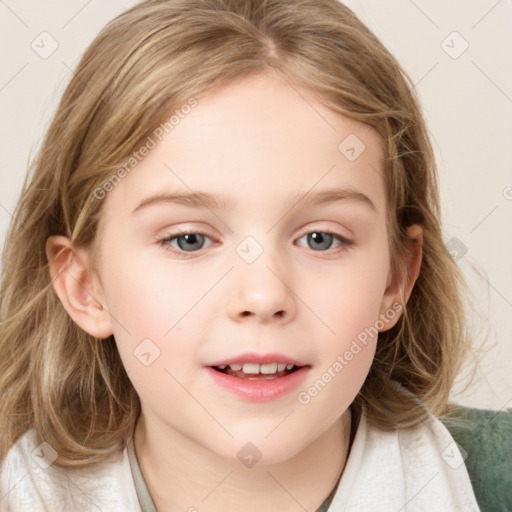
x: 226, y: 286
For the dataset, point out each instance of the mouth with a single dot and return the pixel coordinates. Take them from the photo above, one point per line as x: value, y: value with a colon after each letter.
x: 254, y: 371
x: 258, y: 377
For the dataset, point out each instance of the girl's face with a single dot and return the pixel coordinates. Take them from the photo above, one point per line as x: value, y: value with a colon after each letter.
x: 265, y: 275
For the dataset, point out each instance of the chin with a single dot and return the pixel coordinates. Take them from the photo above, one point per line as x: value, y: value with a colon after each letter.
x: 261, y: 451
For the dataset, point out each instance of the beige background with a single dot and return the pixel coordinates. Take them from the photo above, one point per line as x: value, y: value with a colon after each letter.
x: 459, y: 55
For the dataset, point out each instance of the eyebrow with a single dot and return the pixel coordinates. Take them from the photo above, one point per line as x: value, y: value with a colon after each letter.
x: 223, y: 202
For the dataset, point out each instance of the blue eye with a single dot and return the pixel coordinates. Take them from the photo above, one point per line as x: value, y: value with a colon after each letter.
x: 190, y: 242
x: 185, y: 241
x: 324, y: 239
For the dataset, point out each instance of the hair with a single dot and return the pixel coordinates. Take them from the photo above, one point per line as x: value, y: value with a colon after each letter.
x: 72, y: 387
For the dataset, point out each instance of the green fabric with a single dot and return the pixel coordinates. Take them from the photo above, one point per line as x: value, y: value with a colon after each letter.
x: 486, y: 437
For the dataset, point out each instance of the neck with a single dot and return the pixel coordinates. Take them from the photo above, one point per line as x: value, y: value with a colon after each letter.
x: 180, y: 475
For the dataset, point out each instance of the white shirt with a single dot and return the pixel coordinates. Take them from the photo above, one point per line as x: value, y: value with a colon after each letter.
x: 406, y: 470
x: 29, y: 484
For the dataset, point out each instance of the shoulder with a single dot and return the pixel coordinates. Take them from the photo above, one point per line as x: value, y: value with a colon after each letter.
x: 484, y: 438
x: 419, y: 466
x: 30, y: 481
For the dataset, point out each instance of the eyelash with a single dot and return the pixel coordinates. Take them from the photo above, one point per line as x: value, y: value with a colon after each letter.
x: 164, y: 242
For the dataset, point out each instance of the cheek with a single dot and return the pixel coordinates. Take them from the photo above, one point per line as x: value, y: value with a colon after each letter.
x: 345, y: 353
x: 153, y: 334
x: 151, y: 314
x: 349, y: 307
x: 350, y: 299
x: 147, y: 300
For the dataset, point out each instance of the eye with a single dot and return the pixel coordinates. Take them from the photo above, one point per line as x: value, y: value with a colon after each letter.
x: 321, y: 240
x: 186, y: 241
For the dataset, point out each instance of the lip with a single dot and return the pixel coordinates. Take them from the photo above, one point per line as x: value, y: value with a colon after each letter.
x: 255, y: 358
x: 259, y: 390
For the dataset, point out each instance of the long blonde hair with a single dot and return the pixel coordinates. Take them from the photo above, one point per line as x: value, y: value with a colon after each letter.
x: 71, y: 387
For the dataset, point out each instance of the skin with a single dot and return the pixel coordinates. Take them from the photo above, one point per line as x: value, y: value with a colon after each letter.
x: 261, y: 142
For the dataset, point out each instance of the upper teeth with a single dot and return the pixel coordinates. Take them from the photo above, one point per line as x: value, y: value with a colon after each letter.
x: 251, y: 368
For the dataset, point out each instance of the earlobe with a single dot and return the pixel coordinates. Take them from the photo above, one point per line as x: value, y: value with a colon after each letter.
x: 398, y: 293
x: 77, y: 287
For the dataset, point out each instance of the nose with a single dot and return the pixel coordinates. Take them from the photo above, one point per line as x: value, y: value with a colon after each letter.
x: 262, y: 289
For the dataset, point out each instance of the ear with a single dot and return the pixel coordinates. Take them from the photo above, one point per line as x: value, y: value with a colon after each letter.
x: 397, y: 293
x: 77, y: 286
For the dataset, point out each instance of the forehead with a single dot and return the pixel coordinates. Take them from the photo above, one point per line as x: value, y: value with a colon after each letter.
x: 254, y: 139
